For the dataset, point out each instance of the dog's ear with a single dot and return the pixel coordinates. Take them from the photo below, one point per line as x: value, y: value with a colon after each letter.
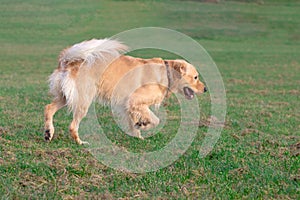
x: 182, y: 67
x: 178, y: 66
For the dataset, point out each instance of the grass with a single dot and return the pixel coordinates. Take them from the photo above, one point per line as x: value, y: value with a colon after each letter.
x: 256, y: 47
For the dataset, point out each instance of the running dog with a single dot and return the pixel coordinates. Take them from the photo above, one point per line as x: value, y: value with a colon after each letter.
x: 98, y: 70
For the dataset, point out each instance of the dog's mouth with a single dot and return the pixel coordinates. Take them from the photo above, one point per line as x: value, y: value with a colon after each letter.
x: 188, y: 93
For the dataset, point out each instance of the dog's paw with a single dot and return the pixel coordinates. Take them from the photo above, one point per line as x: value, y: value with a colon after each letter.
x: 48, y: 136
x: 85, y: 143
x: 141, y: 123
x: 141, y: 137
x: 80, y: 142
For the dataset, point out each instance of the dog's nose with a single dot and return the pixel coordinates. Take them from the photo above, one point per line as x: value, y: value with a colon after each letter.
x: 205, y: 89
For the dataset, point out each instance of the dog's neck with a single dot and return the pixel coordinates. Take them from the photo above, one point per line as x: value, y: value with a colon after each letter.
x: 169, y: 77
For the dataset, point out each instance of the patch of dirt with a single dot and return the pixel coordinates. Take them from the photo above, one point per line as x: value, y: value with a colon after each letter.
x: 56, y: 159
x: 295, y: 149
x: 294, y: 92
x: 266, y: 114
x: 279, y: 103
x: 215, y: 122
x: 261, y: 92
x: 237, y: 81
x: 3, y: 130
x: 249, y: 131
x: 211, y: 1
x: 31, y: 180
x: 239, y: 171
x: 296, y: 178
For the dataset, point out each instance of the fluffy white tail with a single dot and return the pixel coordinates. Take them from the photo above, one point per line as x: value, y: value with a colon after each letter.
x: 91, y: 50
x: 81, y: 88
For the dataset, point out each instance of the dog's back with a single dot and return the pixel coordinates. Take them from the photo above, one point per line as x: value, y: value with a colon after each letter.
x: 127, y: 74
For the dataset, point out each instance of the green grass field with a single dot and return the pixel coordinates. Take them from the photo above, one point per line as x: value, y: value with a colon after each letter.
x: 256, y: 47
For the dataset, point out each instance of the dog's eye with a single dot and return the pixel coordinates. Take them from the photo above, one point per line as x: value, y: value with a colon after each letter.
x: 196, y: 77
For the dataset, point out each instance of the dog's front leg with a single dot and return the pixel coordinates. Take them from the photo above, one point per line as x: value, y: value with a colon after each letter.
x: 133, y: 119
x: 133, y: 131
x: 143, y: 118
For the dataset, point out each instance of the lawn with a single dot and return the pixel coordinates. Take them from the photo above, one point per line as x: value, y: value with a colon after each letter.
x: 256, y: 48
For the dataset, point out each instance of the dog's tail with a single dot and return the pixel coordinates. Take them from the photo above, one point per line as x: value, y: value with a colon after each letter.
x: 79, y: 67
x: 92, y: 50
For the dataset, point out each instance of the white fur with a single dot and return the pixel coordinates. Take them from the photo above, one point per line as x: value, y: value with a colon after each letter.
x: 87, y: 52
x: 91, y: 50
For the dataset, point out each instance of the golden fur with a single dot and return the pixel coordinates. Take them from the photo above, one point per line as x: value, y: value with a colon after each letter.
x: 97, y: 70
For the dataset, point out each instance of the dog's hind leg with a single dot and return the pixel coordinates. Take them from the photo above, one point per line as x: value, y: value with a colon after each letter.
x: 78, y: 114
x: 50, y: 110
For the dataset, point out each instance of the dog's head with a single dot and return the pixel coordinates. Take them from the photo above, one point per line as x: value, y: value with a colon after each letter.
x: 185, y: 79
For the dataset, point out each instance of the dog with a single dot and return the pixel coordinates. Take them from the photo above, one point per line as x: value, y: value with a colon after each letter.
x: 97, y: 69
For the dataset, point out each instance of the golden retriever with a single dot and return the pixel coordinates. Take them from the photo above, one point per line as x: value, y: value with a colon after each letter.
x: 97, y: 70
